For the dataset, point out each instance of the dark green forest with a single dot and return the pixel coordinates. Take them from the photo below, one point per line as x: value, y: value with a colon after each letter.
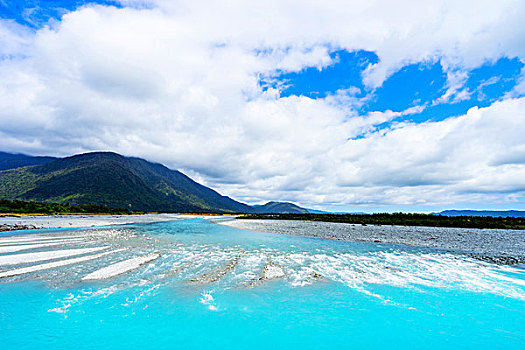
x: 109, y: 179
x: 28, y: 207
x: 404, y: 219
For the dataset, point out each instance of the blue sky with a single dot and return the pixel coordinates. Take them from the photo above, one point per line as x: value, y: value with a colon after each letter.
x: 420, y: 84
x: 417, y: 84
x: 343, y: 105
x: 35, y: 13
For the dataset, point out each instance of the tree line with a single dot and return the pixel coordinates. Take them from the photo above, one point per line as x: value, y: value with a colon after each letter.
x: 30, y: 207
x: 404, y: 219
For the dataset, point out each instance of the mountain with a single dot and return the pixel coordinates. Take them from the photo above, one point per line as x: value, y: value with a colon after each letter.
x: 105, y: 178
x: 12, y: 161
x: 279, y: 208
x: 493, y: 213
x: 314, y: 211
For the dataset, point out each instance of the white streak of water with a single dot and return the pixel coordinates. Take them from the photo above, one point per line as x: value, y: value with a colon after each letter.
x: 15, y: 259
x: 53, y: 265
x: 121, y: 267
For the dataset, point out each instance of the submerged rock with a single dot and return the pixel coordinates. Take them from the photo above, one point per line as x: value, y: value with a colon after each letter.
x: 217, y: 274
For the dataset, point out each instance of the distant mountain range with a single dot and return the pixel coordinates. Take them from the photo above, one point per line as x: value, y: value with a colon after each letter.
x: 10, y: 160
x: 493, y: 213
x: 106, y: 178
x: 280, y: 207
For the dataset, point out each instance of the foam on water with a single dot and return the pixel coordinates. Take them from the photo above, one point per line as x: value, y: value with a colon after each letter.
x: 199, y: 262
x: 232, y: 266
x: 208, y: 300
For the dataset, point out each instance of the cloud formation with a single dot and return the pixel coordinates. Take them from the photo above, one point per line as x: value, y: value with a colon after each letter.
x: 178, y: 82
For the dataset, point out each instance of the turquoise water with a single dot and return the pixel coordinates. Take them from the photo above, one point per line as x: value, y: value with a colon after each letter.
x: 223, y: 288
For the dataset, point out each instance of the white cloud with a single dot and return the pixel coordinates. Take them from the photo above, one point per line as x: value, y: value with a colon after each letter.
x: 474, y: 152
x: 177, y: 82
x: 15, y: 38
x: 455, y: 85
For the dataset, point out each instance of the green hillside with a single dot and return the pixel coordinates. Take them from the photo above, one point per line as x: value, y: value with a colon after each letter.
x: 26, y: 207
x: 109, y: 179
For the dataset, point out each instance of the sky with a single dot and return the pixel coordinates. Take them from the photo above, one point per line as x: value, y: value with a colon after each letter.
x: 337, y: 105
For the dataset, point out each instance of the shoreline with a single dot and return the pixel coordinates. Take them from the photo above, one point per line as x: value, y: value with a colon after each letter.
x: 28, y: 222
x: 403, y: 219
x: 489, y: 245
x: 494, y: 245
x: 10, y: 223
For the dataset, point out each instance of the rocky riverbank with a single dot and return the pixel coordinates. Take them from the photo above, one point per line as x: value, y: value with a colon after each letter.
x: 505, y: 247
